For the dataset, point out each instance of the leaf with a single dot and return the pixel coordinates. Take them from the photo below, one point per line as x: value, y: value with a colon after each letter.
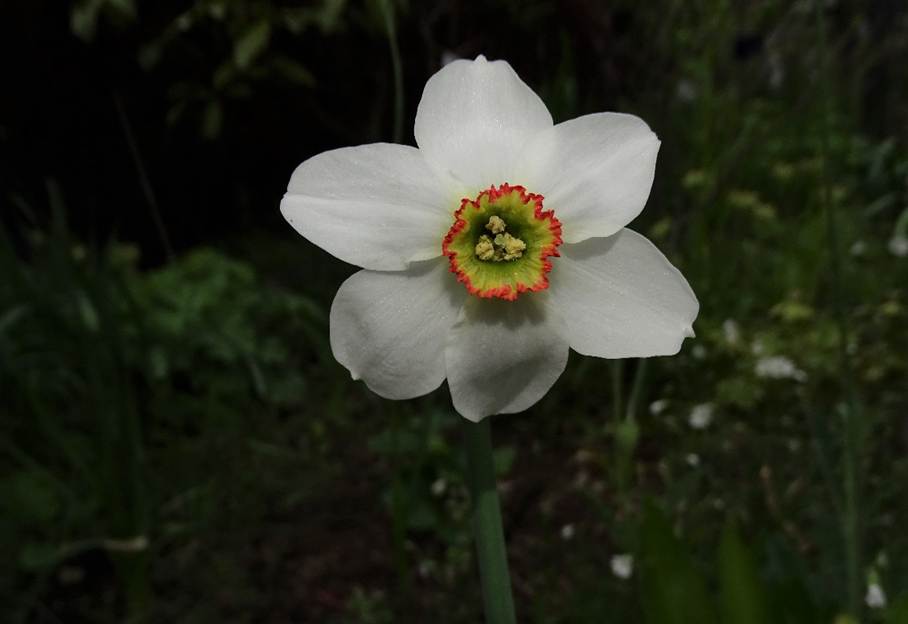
x: 421, y: 516
x: 33, y: 497
x: 212, y: 119
x: 126, y: 8
x: 329, y: 17
x: 84, y: 17
x: 394, y: 443
x: 83, y: 20
x: 898, y: 612
x: 672, y: 589
x: 12, y: 316
x: 88, y: 313
x: 251, y: 44
x: 293, y: 71
x: 743, y: 597
x: 504, y: 458
x: 35, y: 557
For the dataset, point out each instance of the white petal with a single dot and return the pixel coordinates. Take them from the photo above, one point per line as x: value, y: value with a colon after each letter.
x: 595, y: 172
x: 474, y: 119
x: 389, y: 329
x: 377, y: 206
x: 620, y: 297
x: 503, y: 356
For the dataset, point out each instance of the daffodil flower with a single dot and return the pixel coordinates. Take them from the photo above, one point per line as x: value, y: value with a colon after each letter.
x: 492, y: 249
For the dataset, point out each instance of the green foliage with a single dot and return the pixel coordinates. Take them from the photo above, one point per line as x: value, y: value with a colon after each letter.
x: 250, y: 62
x: 898, y: 612
x: 85, y: 15
x: 673, y: 589
x: 743, y: 599
x: 84, y: 334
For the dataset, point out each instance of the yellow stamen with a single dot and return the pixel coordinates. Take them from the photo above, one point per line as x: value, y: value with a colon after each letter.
x: 496, y: 224
x: 513, y: 247
x: 502, y: 247
x: 484, y: 248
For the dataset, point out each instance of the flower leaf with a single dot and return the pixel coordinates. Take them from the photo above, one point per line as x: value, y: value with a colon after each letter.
x: 252, y: 43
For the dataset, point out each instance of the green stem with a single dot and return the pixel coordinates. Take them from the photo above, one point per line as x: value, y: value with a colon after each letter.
x: 617, y: 367
x: 852, y: 429
x: 487, y: 529
x: 387, y: 11
x: 399, y: 506
x: 636, y: 389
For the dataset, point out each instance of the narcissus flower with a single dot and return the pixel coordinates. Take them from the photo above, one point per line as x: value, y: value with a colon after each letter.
x: 493, y: 248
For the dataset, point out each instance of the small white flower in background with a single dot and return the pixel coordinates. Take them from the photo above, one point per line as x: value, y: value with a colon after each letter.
x: 439, y: 486
x: 567, y: 532
x: 425, y: 568
x: 701, y: 416
x: 776, y: 70
x: 778, y: 367
x: 692, y: 460
x: 875, y: 597
x: 686, y: 91
x: 858, y: 248
x: 492, y: 249
x: 658, y: 406
x: 623, y: 566
x: 698, y: 352
x: 898, y: 246
x: 731, y: 332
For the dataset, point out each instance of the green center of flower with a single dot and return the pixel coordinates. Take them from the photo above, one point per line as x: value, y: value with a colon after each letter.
x: 500, y: 242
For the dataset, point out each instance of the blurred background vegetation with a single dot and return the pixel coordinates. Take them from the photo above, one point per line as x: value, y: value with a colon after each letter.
x: 177, y: 443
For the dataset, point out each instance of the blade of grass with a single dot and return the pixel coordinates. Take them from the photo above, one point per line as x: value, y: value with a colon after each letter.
x: 852, y: 430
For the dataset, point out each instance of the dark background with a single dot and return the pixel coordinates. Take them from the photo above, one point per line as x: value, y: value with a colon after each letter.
x: 178, y: 444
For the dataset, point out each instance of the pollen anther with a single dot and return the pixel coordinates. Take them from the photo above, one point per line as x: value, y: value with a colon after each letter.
x: 496, y: 225
x: 503, y: 247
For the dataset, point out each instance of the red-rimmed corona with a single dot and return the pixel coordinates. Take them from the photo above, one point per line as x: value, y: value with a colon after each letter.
x: 501, y: 242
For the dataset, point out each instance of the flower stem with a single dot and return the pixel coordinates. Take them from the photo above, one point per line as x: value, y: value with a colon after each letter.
x: 387, y: 10
x: 617, y: 367
x: 487, y: 529
x: 852, y: 427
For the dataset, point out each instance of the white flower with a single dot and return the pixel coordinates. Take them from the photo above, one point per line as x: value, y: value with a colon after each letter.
x: 898, y: 246
x: 692, y: 459
x: 875, y: 597
x: 686, y: 91
x: 425, y: 568
x: 779, y: 367
x: 567, y: 532
x: 493, y: 248
x: 701, y: 416
x: 658, y: 406
x: 439, y: 486
x: 622, y: 566
x: 731, y: 331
